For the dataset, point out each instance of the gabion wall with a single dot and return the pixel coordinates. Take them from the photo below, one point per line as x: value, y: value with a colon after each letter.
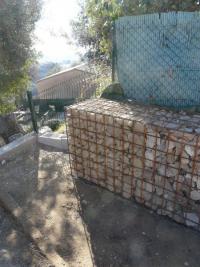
x: 143, y: 153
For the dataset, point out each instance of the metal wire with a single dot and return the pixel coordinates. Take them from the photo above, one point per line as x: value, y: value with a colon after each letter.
x: 91, y: 124
x: 157, y: 58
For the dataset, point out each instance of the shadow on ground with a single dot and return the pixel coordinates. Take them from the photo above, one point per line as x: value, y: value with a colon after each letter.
x: 16, y: 249
x: 121, y: 233
x: 124, y: 234
x: 39, y: 182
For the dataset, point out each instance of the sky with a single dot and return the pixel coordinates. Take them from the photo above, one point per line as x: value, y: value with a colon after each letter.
x: 55, y: 21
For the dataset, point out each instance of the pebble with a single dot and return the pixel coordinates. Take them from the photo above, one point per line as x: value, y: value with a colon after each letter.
x: 189, y: 150
x: 186, y: 263
x: 84, y: 202
x: 195, y: 195
x: 3, y: 162
x: 191, y: 219
x: 197, y: 130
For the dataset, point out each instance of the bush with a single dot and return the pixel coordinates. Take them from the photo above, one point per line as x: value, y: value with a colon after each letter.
x: 54, y: 124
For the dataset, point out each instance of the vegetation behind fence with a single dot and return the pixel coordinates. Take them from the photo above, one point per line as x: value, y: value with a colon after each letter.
x: 50, y: 101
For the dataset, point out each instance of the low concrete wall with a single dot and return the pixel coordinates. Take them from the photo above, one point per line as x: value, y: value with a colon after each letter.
x: 18, y: 146
x: 54, y: 140
x: 23, y: 144
x: 143, y: 153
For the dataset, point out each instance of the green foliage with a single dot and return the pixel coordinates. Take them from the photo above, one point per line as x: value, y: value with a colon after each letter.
x: 113, y: 91
x: 102, y: 79
x: 17, y: 22
x: 54, y: 124
x: 93, y: 29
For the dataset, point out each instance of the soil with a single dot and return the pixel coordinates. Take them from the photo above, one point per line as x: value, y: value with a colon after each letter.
x: 85, y: 224
x: 16, y: 249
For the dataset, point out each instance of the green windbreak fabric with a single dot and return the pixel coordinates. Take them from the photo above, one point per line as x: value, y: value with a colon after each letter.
x: 158, y: 58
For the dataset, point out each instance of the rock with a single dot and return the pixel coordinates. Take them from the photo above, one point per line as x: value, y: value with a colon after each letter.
x: 178, y: 218
x: 151, y: 139
x: 187, y: 129
x: 189, y: 150
x: 149, y: 155
x: 168, y: 171
x: 172, y: 125
x: 171, y: 146
x: 159, y: 173
x: 126, y: 194
x: 127, y: 188
x: 113, y: 91
x: 45, y: 129
x: 148, y: 187
x: 191, y: 219
x: 159, y: 184
x: 3, y: 162
x: 195, y: 195
x: 185, y: 159
x: 139, y: 141
x: 147, y: 196
x: 2, y: 141
x: 157, y: 201
x: 197, y: 130
x: 84, y: 202
x: 138, y: 163
x: 139, y: 127
x: 9, y: 125
x: 14, y: 137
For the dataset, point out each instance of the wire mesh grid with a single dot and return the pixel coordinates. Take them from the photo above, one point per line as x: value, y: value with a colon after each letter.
x: 156, y: 166
x: 157, y: 58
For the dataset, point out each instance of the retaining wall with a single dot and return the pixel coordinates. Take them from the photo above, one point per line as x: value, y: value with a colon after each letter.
x: 17, y: 147
x: 143, y: 153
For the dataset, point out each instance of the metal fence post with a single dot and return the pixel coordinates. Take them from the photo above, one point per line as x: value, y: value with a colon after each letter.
x: 32, y: 110
x: 113, y: 51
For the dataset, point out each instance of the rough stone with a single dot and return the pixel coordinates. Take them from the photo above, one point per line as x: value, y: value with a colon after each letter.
x: 45, y: 129
x: 195, y: 195
x: 2, y: 141
x: 125, y: 152
x: 191, y: 219
x: 190, y: 150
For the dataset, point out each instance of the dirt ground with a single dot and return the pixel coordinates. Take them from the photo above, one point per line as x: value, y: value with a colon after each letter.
x: 16, y: 249
x: 99, y: 229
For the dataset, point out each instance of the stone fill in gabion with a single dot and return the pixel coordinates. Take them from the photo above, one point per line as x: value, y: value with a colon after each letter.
x: 143, y: 153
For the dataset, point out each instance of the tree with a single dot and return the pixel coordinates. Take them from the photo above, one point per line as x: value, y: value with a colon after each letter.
x: 93, y: 29
x: 17, y: 23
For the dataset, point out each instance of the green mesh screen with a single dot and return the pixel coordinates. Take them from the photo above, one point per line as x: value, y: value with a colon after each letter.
x: 157, y: 58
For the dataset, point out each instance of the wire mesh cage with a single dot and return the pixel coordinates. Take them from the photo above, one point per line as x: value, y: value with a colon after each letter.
x: 140, y: 153
x: 157, y: 58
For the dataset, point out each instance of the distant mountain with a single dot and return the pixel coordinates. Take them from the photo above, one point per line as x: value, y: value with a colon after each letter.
x: 49, y: 68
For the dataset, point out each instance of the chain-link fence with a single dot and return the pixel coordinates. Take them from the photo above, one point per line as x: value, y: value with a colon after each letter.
x: 157, y: 58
